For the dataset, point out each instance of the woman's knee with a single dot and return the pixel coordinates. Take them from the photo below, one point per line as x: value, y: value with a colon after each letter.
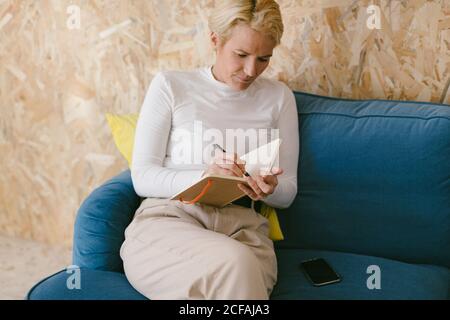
x: 241, y: 254
x: 239, y: 261
x: 238, y: 275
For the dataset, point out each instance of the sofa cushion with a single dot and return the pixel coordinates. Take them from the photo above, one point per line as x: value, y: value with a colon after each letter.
x: 398, y: 280
x: 374, y: 178
x: 101, y: 222
x: 94, y: 285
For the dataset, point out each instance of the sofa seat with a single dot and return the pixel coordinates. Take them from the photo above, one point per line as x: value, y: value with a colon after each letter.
x: 95, y: 285
x: 398, y: 280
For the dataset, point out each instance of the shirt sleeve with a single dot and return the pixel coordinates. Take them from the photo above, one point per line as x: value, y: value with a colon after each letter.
x: 286, y: 190
x: 150, y: 178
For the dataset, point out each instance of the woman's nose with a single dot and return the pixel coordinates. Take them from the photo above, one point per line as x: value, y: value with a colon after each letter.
x: 250, y: 68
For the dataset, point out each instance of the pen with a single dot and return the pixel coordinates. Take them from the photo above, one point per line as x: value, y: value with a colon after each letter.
x: 219, y: 147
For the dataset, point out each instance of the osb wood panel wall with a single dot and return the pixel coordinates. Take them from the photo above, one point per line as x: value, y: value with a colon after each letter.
x: 59, y: 75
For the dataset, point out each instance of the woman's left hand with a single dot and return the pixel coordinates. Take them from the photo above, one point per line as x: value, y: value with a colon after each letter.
x: 261, y: 186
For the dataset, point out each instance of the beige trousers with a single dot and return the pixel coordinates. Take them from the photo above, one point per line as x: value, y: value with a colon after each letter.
x: 178, y: 251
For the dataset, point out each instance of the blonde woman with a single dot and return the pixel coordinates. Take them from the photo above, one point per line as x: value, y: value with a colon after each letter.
x: 174, y: 250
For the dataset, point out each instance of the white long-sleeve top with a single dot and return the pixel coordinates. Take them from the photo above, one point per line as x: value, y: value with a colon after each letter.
x: 185, y: 112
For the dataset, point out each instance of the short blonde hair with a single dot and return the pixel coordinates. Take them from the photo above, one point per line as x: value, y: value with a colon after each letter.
x: 261, y: 15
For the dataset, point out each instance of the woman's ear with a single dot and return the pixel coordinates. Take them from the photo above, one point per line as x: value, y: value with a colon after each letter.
x: 215, y: 40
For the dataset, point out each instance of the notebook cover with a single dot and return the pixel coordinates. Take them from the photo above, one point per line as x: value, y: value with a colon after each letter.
x: 223, y: 190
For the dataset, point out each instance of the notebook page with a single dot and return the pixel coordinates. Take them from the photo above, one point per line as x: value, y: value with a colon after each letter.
x: 262, y: 159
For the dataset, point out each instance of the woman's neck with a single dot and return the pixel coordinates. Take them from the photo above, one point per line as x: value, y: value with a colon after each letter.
x: 216, y: 73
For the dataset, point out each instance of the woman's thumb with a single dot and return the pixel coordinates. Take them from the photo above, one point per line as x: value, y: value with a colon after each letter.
x: 276, y: 171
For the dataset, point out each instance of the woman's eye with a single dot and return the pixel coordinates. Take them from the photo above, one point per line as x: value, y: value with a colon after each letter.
x: 243, y: 55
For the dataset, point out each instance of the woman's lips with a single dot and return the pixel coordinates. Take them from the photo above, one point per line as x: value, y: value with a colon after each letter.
x: 244, y: 80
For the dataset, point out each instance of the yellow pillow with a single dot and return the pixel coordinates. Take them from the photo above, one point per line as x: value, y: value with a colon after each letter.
x: 270, y: 213
x: 123, y: 128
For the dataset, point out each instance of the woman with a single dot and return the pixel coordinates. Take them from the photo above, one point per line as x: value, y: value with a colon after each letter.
x: 174, y: 250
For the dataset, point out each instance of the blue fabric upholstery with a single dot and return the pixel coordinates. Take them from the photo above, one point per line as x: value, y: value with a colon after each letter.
x: 101, y: 222
x: 374, y: 181
x: 94, y: 285
x: 398, y: 280
x: 374, y: 178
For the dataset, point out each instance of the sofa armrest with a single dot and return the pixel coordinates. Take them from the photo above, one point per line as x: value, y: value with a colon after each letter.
x: 101, y: 222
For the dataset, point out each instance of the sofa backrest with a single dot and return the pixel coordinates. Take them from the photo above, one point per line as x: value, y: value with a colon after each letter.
x: 374, y: 179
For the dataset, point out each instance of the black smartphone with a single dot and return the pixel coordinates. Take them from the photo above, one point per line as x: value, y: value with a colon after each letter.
x: 319, y: 272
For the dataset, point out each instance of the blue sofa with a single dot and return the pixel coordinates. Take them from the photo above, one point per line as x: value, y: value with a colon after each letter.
x: 373, y: 190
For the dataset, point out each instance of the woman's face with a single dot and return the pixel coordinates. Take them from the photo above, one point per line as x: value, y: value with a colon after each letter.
x: 241, y: 59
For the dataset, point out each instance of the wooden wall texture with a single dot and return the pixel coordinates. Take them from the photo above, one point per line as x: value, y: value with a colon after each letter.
x: 60, y: 75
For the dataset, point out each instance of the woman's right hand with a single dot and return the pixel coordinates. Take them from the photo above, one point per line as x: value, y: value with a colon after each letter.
x: 228, y: 164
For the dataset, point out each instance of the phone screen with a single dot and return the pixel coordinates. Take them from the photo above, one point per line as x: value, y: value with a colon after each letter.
x: 319, y: 272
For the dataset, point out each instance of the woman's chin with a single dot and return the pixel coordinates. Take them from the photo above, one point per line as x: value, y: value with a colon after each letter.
x: 239, y: 85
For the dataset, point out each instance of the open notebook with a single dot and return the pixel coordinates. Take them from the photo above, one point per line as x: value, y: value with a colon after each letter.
x: 220, y: 190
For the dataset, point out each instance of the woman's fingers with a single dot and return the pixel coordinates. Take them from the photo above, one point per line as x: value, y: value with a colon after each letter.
x: 248, y: 191
x: 261, y: 186
x: 276, y: 171
x: 227, y: 163
x: 265, y: 187
x: 271, y: 180
x: 256, y: 189
x: 215, y: 169
x: 273, y: 172
x: 232, y: 167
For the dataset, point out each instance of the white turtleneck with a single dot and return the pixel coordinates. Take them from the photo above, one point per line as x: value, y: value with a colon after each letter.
x: 185, y: 112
